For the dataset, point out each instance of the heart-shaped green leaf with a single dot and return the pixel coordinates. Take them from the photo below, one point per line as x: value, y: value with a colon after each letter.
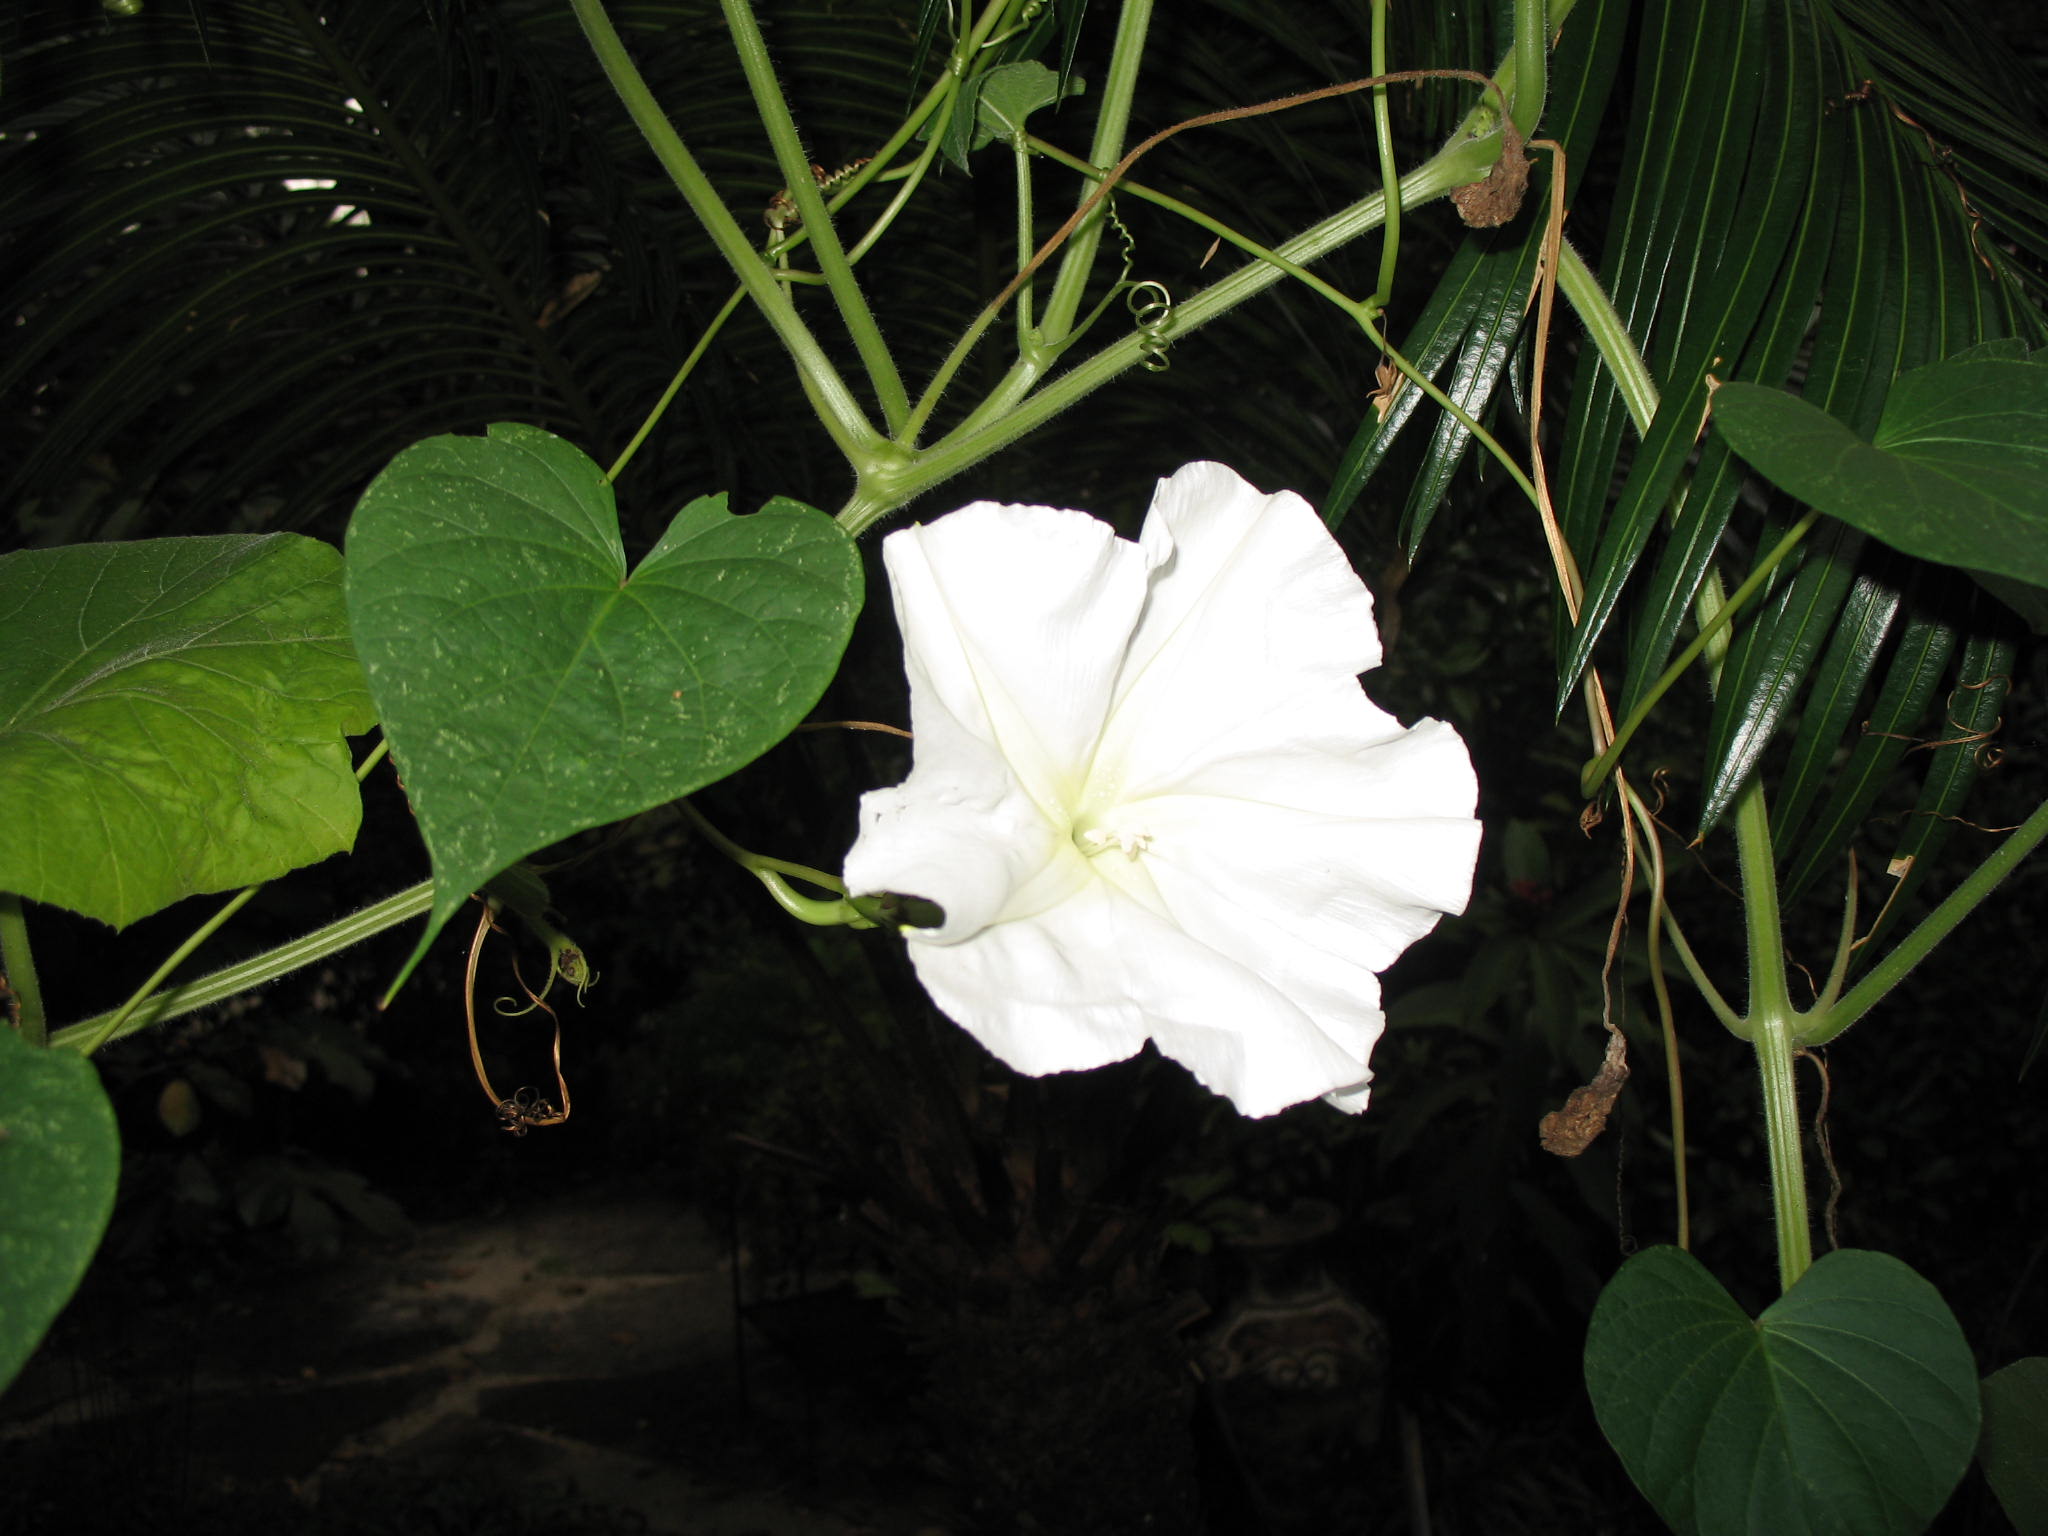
x: 59, y: 1157
x: 2014, y: 1453
x: 994, y: 105
x: 172, y: 715
x: 1848, y: 1409
x: 1012, y: 92
x: 1957, y: 473
x: 531, y: 687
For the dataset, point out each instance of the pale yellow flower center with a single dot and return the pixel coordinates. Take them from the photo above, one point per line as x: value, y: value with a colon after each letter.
x: 1112, y: 831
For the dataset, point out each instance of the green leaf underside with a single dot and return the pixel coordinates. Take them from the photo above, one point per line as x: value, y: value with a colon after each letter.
x: 1012, y: 92
x: 60, y: 1154
x: 1957, y: 472
x: 172, y: 715
x: 2014, y: 1452
x: 1850, y: 1407
x: 531, y: 688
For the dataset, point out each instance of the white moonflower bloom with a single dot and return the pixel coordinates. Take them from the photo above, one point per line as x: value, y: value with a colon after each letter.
x: 1150, y: 796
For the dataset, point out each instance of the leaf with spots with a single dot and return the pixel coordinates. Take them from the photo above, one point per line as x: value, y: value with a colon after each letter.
x: 60, y: 1155
x: 532, y: 686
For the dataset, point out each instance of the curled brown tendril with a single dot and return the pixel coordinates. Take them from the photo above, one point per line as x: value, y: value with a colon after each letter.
x: 526, y: 1109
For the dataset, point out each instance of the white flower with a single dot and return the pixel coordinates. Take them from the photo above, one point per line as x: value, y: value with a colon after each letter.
x: 1151, y: 797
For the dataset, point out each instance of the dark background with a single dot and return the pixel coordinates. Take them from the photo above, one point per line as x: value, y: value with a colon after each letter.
x: 717, y: 1019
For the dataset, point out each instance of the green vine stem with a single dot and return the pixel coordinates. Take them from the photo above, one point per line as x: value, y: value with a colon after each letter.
x: 885, y: 485
x: 1638, y: 391
x: 1711, y: 994
x: 837, y: 410
x: 1771, y: 1027
x: 836, y: 913
x: 1610, y: 337
x: 1769, y: 996
x: 1383, y: 136
x: 888, y: 486
x: 804, y: 191
x: 1667, y: 1025
x: 1845, y: 947
x: 97, y: 1031
x: 1935, y: 927
x: 253, y: 972
x: 1532, y: 61
x: 1725, y: 610
x: 675, y: 384
x: 177, y: 957
x: 18, y: 964
x: 1112, y: 124
x: 1772, y: 1037
x: 913, y: 178
x: 1020, y: 160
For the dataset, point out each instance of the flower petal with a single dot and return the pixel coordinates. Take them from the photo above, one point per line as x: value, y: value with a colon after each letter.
x: 1255, y: 630
x: 1088, y: 981
x: 1359, y: 854
x: 1013, y: 621
x: 1263, y: 839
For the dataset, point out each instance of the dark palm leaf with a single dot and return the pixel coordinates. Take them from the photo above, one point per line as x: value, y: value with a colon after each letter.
x: 1771, y: 219
x: 248, y: 264
x: 246, y: 267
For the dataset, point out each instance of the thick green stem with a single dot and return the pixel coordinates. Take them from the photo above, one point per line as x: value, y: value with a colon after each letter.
x: 771, y: 873
x: 810, y: 203
x: 837, y: 409
x: 1604, y: 328
x: 18, y: 965
x: 1532, y: 61
x: 1772, y: 1038
x: 1383, y: 135
x: 1020, y: 159
x: 1937, y: 925
x: 206, y: 930
x: 1768, y: 994
x: 253, y: 972
x: 1112, y: 124
x: 1772, y: 1029
x: 890, y: 486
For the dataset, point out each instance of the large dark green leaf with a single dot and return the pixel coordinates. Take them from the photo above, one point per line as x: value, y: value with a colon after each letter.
x: 1731, y: 169
x: 1882, y: 268
x: 172, y: 715
x: 2014, y: 1454
x: 1957, y: 471
x: 1966, y: 741
x: 60, y: 1154
x: 1766, y: 671
x: 1864, y: 625
x: 1920, y: 661
x: 1476, y: 314
x: 532, y: 686
x: 1849, y: 1408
